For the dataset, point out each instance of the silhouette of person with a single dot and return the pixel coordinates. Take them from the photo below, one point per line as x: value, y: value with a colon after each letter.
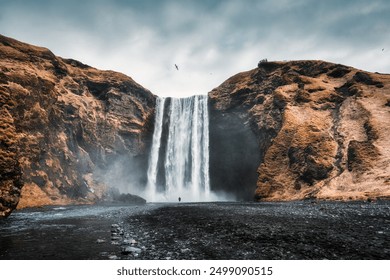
x: 179, y: 198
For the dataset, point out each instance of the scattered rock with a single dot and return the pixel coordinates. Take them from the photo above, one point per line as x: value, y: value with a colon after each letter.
x: 131, y: 250
x: 114, y: 227
x: 133, y: 242
x: 185, y: 251
x: 126, y: 242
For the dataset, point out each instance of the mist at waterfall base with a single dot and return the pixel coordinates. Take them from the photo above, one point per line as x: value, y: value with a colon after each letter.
x: 123, y: 175
x: 179, y: 156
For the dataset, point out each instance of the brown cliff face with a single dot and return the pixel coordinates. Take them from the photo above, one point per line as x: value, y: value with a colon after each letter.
x: 60, y: 120
x: 283, y: 131
x: 322, y: 129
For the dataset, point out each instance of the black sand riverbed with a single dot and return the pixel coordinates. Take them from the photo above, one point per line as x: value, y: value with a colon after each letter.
x: 292, y: 230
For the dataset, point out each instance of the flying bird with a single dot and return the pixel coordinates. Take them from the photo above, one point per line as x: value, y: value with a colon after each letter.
x: 177, y: 67
x: 383, y: 50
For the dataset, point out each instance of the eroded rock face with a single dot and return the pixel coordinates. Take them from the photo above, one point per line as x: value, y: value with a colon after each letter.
x: 60, y: 121
x: 283, y: 131
x: 321, y: 129
x: 10, y: 172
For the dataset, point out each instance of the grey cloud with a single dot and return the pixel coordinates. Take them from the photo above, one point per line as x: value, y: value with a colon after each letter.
x: 211, y: 40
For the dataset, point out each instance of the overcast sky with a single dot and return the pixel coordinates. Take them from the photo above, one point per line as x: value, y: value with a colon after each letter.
x: 208, y: 40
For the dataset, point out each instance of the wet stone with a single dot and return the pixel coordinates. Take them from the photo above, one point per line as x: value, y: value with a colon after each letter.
x: 131, y: 250
x: 126, y: 242
x: 185, y: 251
x: 286, y: 231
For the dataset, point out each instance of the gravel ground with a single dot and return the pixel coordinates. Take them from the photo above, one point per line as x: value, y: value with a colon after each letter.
x: 292, y: 230
x: 298, y: 230
x: 69, y: 232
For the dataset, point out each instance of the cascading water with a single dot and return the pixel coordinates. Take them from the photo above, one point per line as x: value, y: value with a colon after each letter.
x: 153, y: 160
x: 179, y: 158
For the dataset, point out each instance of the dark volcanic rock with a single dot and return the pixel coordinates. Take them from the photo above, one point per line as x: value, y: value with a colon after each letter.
x: 60, y: 121
x: 131, y: 199
x: 115, y: 197
x: 300, y: 230
x: 285, y: 230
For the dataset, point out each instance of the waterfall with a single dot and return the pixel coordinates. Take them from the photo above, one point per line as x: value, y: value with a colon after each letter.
x: 156, y: 142
x: 179, y: 157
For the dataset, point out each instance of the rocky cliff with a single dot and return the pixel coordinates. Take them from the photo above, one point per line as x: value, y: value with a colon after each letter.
x: 61, y: 120
x: 321, y: 130
x: 282, y: 131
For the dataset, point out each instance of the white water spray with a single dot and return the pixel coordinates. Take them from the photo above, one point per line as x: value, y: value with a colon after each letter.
x: 152, y: 170
x: 182, y: 161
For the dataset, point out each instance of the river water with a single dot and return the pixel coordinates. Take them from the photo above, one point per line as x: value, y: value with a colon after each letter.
x: 212, y: 230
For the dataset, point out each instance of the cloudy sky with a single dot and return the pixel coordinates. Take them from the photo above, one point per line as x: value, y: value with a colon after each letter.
x: 208, y: 40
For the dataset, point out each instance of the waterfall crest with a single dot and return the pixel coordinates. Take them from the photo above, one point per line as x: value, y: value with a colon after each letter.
x: 179, y: 157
